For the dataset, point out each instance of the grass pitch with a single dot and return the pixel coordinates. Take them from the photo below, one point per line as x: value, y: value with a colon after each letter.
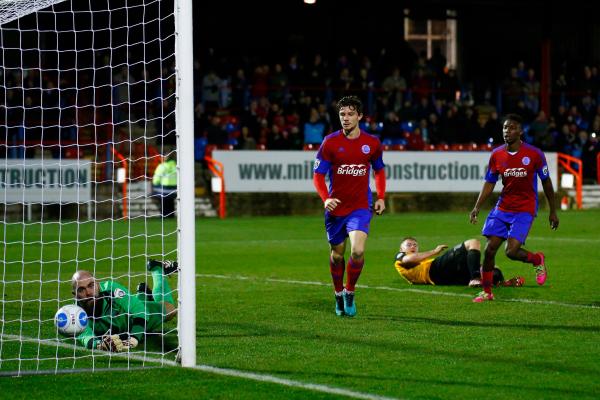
x: 265, y: 307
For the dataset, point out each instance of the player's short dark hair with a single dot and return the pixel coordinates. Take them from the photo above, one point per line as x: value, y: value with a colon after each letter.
x: 352, y: 102
x: 513, y: 117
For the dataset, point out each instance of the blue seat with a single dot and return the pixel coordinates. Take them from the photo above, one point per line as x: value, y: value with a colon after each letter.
x: 199, y: 148
x: 408, y: 126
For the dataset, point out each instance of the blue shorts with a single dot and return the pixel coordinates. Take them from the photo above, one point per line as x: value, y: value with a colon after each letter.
x: 508, y: 224
x: 337, y: 228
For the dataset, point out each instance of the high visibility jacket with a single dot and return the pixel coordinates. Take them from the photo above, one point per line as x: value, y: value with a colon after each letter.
x: 165, y: 174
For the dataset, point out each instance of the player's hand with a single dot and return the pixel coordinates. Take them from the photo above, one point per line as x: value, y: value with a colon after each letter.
x: 473, y: 215
x: 379, y: 206
x: 331, y: 203
x: 553, y: 221
x: 440, y: 247
x: 111, y: 343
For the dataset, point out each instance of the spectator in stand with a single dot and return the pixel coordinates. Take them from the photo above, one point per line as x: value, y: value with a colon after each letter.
x: 215, y: 134
x: 521, y: 71
x: 433, y: 129
x: 392, y: 128
x: 421, y: 85
x: 278, y: 84
x: 394, y: 86
x: 278, y: 139
x: 566, y: 142
x: 469, y: 129
x: 595, y: 84
x: 294, y: 74
x: 449, y: 125
x: 512, y: 89
x: 585, y: 84
x: 560, y: 89
x: 344, y: 82
x: 437, y: 62
x: 247, y: 141
x: 316, y: 77
x: 531, y: 82
x: 295, y: 138
x: 324, y: 116
x: 407, y: 112
x: 531, y: 100
x: 260, y: 81
x: 438, y: 107
x: 538, y: 129
x: 588, y: 110
x: 314, y: 128
x: 422, y: 109
x: 589, y: 153
x: 239, y: 91
x: 561, y: 116
x: 164, y: 186
x: 493, y: 129
x: 415, y: 140
x: 210, y: 90
x: 448, y: 86
x: 524, y: 112
x: 363, y: 85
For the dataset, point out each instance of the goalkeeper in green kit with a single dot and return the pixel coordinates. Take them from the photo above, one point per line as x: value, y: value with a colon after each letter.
x: 118, y: 320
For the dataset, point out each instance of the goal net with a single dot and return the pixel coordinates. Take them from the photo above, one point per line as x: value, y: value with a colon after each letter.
x: 88, y: 106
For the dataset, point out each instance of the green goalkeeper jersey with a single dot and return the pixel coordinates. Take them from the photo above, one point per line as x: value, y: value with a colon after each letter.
x: 120, y: 313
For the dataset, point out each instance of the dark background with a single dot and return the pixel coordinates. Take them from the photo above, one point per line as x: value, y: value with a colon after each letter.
x: 492, y: 35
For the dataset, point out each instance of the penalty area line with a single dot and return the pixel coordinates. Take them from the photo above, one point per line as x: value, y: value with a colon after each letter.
x: 393, y: 289
x: 204, y: 368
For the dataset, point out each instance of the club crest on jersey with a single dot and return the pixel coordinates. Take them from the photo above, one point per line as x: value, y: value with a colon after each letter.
x: 525, y: 160
x: 365, y: 149
x: 119, y: 293
x: 352, y: 169
x: 317, y: 162
x: 516, y: 172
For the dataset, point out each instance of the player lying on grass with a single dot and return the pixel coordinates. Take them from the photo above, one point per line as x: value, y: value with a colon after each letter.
x: 458, y: 266
x: 119, y: 320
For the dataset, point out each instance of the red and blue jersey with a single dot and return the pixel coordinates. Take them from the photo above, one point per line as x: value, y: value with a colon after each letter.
x: 348, y: 163
x: 519, y: 172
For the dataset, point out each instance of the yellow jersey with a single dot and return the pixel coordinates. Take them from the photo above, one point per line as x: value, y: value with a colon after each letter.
x: 419, y: 274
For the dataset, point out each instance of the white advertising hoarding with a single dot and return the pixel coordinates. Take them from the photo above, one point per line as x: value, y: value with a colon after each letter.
x: 45, y: 181
x: 406, y: 171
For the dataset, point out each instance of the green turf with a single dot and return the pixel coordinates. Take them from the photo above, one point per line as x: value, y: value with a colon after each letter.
x: 265, y: 305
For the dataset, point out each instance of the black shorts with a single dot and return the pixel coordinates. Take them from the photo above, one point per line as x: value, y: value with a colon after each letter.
x: 451, y: 267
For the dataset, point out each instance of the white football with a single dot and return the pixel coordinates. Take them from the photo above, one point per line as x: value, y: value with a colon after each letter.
x: 70, y: 320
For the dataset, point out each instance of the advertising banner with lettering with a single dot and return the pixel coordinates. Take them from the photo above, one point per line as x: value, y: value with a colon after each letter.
x: 45, y: 181
x: 406, y: 171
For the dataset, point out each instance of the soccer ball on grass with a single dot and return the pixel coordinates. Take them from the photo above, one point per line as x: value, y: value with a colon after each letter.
x: 70, y: 320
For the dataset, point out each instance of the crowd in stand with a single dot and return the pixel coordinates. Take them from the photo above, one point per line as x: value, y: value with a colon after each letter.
x: 290, y: 104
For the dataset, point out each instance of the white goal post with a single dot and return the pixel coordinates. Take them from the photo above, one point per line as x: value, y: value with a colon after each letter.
x: 94, y: 96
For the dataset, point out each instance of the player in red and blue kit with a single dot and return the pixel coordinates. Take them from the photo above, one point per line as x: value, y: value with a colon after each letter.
x: 348, y: 156
x: 519, y: 164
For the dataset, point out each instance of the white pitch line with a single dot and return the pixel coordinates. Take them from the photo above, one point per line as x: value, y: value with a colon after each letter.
x: 287, y: 382
x: 205, y: 368
x: 393, y: 289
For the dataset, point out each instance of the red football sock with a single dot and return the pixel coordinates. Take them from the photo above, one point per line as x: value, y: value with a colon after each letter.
x: 534, y: 258
x: 337, y: 274
x: 487, y: 280
x: 354, y: 269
